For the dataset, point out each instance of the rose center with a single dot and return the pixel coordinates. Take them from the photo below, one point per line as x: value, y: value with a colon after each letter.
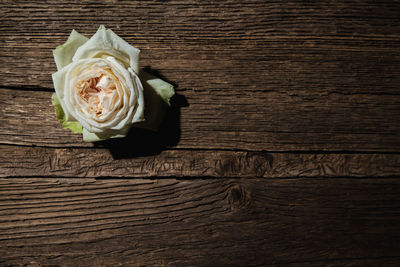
x: 98, y: 93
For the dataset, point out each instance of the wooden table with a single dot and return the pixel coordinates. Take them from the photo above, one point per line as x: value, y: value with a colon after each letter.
x: 282, y: 145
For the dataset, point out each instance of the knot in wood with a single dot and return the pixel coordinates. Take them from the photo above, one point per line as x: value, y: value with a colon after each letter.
x: 237, y: 196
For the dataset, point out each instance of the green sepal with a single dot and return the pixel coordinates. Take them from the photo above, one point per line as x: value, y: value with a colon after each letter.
x: 157, y: 94
x: 163, y: 89
x: 63, y: 53
x: 74, y: 126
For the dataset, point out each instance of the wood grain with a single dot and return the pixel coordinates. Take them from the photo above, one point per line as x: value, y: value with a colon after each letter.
x: 18, y: 161
x: 305, y: 93
x: 236, y: 46
x: 259, y: 121
x: 197, y: 222
x: 257, y: 75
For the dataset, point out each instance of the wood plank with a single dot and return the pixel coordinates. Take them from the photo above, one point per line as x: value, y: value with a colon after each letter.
x: 200, y: 222
x: 380, y: 261
x: 16, y: 161
x: 274, y: 44
x: 239, y: 66
x: 260, y: 121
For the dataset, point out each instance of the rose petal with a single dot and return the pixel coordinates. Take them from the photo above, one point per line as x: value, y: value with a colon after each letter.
x: 94, y: 137
x: 106, y: 42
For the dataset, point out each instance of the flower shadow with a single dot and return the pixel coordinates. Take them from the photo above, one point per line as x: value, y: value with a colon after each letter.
x: 144, y: 142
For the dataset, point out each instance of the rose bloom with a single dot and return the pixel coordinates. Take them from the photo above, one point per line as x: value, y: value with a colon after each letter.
x: 98, y: 90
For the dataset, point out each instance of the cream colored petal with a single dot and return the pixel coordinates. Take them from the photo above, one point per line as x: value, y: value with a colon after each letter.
x: 139, y: 114
x: 105, y: 42
x: 59, y: 86
x: 94, y: 137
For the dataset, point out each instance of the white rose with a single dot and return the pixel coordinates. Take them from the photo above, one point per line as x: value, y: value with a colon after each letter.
x: 98, y: 90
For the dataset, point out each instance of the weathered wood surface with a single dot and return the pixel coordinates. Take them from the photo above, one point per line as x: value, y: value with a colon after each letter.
x: 257, y: 75
x: 222, y: 120
x: 16, y: 161
x: 304, y: 93
x: 265, y: 45
x: 198, y: 222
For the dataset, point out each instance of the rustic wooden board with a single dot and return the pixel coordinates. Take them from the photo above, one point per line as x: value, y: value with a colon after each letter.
x: 304, y: 93
x: 240, y: 66
x: 16, y: 161
x: 198, y: 222
x: 229, y: 45
x: 259, y: 121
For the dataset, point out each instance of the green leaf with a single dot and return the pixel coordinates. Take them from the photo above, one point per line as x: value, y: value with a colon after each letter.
x: 157, y: 94
x: 63, y: 53
x: 161, y: 87
x: 74, y: 126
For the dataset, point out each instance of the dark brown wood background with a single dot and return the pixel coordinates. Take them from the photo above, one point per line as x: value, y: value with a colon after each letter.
x: 282, y: 145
